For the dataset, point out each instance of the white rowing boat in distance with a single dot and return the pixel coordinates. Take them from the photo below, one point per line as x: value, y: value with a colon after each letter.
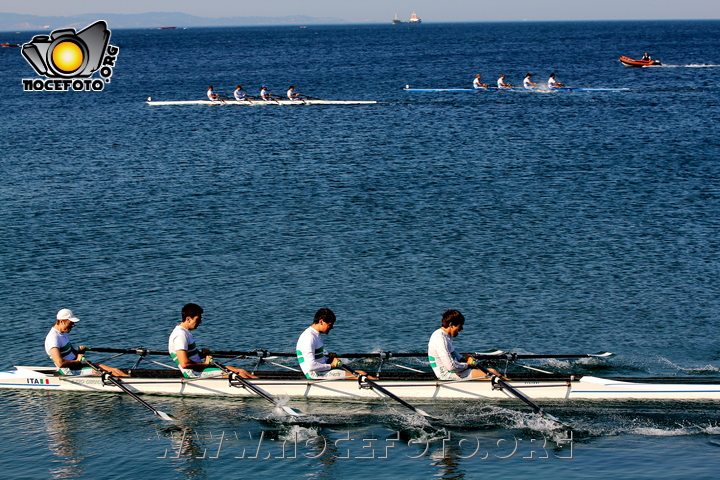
x: 150, y: 101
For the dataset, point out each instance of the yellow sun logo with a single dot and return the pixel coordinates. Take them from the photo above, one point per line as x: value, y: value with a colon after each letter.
x: 67, y: 56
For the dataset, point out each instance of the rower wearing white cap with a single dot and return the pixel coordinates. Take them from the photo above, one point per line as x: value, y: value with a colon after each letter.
x: 58, y: 347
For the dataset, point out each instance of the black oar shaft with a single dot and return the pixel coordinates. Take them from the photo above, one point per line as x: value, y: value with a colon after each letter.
x: 386, y: 392
x: 256, y: 390
x: 254, y: 353
x: 246, y: 383
x: 119, y: 384
x: 137, y: 351
x: 526, y: 356
x: 520, y: 395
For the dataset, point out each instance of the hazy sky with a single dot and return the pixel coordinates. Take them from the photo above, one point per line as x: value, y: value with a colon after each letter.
x: 384, y: 10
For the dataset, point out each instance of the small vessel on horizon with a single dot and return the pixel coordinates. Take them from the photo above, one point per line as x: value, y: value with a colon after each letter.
x: 413, y: 19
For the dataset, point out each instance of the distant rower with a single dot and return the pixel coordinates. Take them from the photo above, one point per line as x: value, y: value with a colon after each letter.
x: 264, y: 94
x: 527, y: 83
x: 239, y: 94
x: 552, y: 83
x: 211, y: 94
x: 477, y: 84
x: 291, y: 93
x: 501, y: 82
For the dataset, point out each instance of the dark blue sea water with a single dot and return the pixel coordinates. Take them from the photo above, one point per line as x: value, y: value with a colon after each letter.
x: 556, y: 222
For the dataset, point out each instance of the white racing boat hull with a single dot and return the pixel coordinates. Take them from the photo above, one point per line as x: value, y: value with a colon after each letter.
x: 263, y: 102
x: 405, y: 386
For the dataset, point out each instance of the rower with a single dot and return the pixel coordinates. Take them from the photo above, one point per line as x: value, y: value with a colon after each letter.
x: 314, y: 360
x: 291, y: 93
x: 477, y: 84
x: 552, y: 83
x: 265, y: 95
x: 212, y: 96
x: 240, y: 95
x: 184, y: 352
x: 501, y: 82
x: 58, y: 347
x: 527, y: 83
x: 444, y: 360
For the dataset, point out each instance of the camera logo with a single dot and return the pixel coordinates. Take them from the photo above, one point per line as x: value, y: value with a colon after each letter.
x: 68, y: 59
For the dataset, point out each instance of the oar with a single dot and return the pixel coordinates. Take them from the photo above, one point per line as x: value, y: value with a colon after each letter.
x: 520, y: 395
x: 137, y: 351
x: 118, y: 383
x: 266, y: 353
x: 488, y: 355
x: 310, y: 98
x: 253, y: 353
x: 363, y: 378
x: 257, y: 390
x: 499, y: 354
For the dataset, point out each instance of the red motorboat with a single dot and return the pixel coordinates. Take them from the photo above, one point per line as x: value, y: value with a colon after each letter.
x: 9, y: 45
x: 631, y: 62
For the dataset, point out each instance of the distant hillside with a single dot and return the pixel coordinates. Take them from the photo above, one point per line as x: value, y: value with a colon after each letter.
x: 17, y: 22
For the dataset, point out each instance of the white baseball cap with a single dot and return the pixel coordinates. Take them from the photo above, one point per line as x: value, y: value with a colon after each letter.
x: 66, y: 314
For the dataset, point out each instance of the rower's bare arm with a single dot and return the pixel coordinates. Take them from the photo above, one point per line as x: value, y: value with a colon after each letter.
x: 242, y: 373
x: 185, y: 362
x: 61, y: 362
x: 116, y: 372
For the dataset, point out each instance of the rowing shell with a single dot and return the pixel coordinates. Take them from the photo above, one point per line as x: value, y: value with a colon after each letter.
x: 494, y: 89
x: 405, y: 385
x: 263, y: 102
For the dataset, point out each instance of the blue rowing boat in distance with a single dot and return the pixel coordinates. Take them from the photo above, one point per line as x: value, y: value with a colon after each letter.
x: 496, y: 89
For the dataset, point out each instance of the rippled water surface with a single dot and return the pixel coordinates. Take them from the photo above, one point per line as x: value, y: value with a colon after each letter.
x: 556, y: 222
